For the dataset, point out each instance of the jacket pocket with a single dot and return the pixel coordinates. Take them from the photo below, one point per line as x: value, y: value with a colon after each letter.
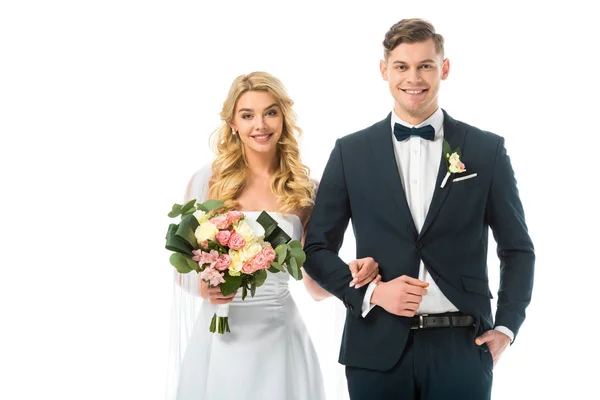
x: 477, y: 286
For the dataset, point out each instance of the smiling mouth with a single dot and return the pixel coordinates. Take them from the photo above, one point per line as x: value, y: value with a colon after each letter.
x: 414, y: 91
x: 262, y: 138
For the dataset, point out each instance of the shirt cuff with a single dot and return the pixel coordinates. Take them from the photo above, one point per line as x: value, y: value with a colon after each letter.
x: 502, y: 329
x: 366, y: 305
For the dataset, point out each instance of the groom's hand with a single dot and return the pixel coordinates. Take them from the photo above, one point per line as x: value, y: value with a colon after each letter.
x: 496, y: 342
x: 400, y: 296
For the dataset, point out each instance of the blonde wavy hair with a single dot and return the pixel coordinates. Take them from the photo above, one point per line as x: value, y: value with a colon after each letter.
x: 290, y: 182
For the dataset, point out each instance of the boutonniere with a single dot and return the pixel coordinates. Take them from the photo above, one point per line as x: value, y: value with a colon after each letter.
x: 452, y: 157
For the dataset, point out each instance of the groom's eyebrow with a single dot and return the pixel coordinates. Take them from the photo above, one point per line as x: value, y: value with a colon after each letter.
x: 429, y: 60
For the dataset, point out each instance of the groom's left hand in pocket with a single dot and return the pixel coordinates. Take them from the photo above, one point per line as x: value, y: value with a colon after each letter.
x: 364, y: 270
x: 496, y: 341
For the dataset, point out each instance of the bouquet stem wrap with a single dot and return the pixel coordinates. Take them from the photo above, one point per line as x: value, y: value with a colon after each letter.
x: 220, y: 320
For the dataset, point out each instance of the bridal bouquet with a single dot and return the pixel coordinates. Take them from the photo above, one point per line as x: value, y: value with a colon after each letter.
x: 230, y: 250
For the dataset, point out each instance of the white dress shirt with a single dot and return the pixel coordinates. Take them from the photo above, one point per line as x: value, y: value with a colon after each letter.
x: 418, y: 161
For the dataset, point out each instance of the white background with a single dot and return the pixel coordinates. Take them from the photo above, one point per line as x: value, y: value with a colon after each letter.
x: 105, y: 112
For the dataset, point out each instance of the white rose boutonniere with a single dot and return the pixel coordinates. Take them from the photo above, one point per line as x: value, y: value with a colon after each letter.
x: 452, y: 157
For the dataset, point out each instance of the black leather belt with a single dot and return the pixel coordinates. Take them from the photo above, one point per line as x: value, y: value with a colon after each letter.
x: 425, y: 321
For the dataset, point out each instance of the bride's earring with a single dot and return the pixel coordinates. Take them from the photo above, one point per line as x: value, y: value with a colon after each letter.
x: 233, y: 131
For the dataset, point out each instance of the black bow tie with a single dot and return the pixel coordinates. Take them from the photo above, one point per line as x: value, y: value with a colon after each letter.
x: 402, y: 132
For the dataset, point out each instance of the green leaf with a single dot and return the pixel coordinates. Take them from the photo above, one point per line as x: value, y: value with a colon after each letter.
x: 267, y: 222
x: 175, y: 211
x: 446, y: 149
x: 231, y: 284
x: 281, y: 252
x: 277, y: 237
x: 458, y: 151
x: 276, y: 267
x: 253, y: 288
x: 176, y: 243
x: 293, y: 269
x: 180, y: 262
x: 193, y: 264
x: 298, y: 255
x: 295, y: 244
x: 213, y: 246
x: 244, y: 292
x: 186, y: 230
x: 200, y: 207
x: 188, y: 206
x: 260, y: 277
x: 211, y: 205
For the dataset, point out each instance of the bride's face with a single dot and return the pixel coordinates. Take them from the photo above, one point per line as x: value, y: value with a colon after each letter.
x: 258, y: 121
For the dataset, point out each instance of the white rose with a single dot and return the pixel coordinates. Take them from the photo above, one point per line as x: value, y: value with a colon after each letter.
x: 236, y: 262
x: 245, y: 231
x: 201, y: 216
x: 250, y: 250
x: 206, y: 231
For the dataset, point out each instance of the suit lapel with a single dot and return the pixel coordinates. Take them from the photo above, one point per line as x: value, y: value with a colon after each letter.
x: 456, y: 138
x: 382, y: 147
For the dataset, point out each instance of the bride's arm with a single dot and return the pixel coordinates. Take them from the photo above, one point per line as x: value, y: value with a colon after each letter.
x: 190, y: 282
x: 313, y: 288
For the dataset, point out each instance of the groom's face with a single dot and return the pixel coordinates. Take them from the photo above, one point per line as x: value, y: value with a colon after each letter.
x: 414, y: 72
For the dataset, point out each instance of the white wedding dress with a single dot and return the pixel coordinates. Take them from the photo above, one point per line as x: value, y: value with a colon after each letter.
x: 267, y: 355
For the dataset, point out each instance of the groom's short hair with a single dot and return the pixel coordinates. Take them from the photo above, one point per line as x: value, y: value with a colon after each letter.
x: 412, y: 30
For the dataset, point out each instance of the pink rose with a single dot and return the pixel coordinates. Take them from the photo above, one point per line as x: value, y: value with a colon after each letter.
x: 221, y: 222
x: 234, y: 216
x: 261, y: 261
x: 223, y: 237
x: 269, y: 253
x: 236, y: 242
x: 222, y: 263
x: 248, y: 267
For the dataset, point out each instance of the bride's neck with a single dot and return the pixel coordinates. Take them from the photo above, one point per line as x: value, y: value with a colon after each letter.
x: 261, y: 165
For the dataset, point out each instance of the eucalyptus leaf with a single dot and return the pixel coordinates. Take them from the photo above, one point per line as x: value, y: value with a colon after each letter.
x: 298, y: 255
x: 201, y: 207
x: 294, y: 270
x: 231, y: 284
x: 253, y: 288
x: 278, y: 267
x: 192, y: 264
x: 260, y: 277
x: 244, y: 292
x: 180, y: 263
x: 175, y: 210
x: 188, y: 206
x: 295, y: 244
x: 281, y: 252
x: 274, y: 270
x: 211, y: 205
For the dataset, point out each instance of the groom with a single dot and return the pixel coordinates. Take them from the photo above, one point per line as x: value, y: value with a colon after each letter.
x: 422, y: 189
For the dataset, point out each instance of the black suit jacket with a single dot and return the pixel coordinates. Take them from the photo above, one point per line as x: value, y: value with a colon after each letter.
x: 361, y: 182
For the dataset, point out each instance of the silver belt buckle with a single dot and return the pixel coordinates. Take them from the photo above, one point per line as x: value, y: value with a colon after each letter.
x: 421, y: 320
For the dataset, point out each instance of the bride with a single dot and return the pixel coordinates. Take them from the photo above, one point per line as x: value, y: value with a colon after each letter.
x: 268, y: 354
